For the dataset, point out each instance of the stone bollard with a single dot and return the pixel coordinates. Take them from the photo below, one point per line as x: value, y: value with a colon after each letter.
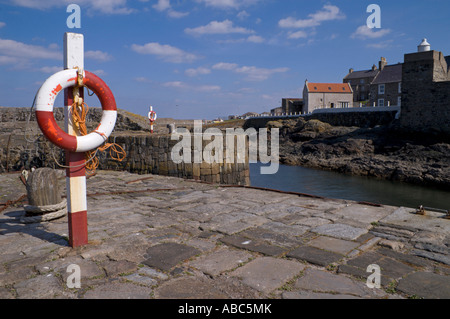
x: 44, y: 197
x: 171, y: 128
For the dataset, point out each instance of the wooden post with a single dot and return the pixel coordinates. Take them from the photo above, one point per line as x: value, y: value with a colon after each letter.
x: 43, y: 187
x: 76, y: 174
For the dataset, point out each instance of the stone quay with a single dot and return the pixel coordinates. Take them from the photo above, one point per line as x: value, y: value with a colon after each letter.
x: 161, y: 237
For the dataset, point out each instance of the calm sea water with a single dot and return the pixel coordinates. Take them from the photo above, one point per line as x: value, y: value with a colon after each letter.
x: 342, y: 186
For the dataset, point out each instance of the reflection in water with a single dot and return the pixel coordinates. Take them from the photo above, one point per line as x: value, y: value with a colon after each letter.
x: 357, y: 188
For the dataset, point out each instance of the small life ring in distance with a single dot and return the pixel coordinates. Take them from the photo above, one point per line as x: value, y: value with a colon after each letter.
x: 45, y: 99
x: 152, y: 116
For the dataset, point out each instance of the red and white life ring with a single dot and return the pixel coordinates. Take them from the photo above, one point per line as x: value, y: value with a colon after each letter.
x: 152, y: 116
x: 45, y: 99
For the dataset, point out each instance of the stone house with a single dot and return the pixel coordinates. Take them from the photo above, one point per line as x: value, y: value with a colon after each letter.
x: 360, y: 83
x: 326, y: 96
x: 277, y: 110
x: 379, y: 86
x: 386, y: 88
x: 293, y: 105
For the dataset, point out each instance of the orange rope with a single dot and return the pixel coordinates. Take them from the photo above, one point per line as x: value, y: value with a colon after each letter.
x: 79, y: 122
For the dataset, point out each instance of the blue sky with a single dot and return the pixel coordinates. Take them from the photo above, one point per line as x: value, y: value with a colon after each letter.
x: 200, y: 59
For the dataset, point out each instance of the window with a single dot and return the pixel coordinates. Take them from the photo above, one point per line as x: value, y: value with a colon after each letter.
x: 362, y: 81
x: 399, y: 101
x: 381, y: 102
x: 400, y: 87
x: 381, y: 88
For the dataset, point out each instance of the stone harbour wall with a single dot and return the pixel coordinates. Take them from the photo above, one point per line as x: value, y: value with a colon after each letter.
x: 151, y: 154
x: 23, y: 146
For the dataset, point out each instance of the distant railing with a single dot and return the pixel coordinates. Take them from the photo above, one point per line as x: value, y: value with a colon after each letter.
x: 334, y: 110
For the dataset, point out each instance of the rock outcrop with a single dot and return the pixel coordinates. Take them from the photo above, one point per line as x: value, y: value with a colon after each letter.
x: 384, y: 152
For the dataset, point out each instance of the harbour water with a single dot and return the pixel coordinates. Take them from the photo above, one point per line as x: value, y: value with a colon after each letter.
x: 341, y: 186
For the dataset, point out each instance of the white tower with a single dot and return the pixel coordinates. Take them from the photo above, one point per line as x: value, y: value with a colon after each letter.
x: 424, y: 46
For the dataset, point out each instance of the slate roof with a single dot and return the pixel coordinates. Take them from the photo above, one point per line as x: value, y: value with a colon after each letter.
x: 390, y: 74
x: 362, y: 74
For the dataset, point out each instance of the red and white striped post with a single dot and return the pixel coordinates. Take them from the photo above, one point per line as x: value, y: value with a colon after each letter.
x: 76, y: 172
x: 152, y: 117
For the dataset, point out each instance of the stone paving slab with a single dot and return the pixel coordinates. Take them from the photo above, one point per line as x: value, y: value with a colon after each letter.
x: 315, y: 280
x: 364, y: 213
x: 167, y: 256
x: 220, y: 261
x: 253, y: 245
x: 340, y: 231
x: 405, y: 218
x: 315, y: 256
x: 335, y: 245
x: 154, y: 237
x: 425, y: 284
x: 266, y: 274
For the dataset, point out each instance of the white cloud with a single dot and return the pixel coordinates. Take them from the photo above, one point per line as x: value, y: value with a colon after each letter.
x: 207, y: 88
x: 2, y: 24
x: 197, y: 71
x: 164, y: 5
x: 228, y: 4
x: 381, y: 45
x: 166, y: 52
x: 198, y: 88
x: 298, y: 35
x: 5, y: 60
x: 216, y: 27
x: 102, y: 6
x: 255, y: 39
x: 364, y: 32
x: 243, y: 14
x: 327, y: 13
x: 250, y: 39
x: 99, y: 72
x: 225, y: 66
x: 142, y: 79
x: 17, y: 49
x: 259, y: 74
x: 97, y: 55
x: 177, y: 14
x: 252, y: 73
x: 51, y: 69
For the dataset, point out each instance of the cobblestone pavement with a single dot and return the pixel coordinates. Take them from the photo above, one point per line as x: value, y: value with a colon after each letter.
x: 160, y: 238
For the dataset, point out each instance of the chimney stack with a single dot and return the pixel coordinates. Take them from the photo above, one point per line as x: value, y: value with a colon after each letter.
x: 382, y: 63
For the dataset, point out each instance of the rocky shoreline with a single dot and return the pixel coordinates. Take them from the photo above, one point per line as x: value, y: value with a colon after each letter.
x: 384, y: 152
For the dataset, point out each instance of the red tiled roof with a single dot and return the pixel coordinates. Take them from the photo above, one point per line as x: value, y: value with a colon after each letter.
x: 329, y: 87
